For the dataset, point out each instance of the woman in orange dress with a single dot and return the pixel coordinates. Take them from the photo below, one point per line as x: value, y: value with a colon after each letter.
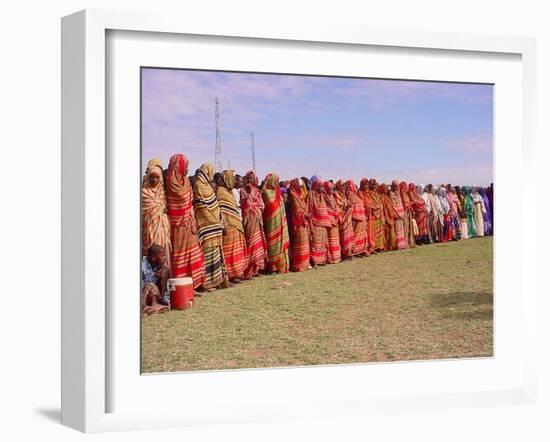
x: 300, y: 227
x: 359, y: 220
x: 408, y: 219
x: 320, y: 224
x: 389, y: 216
x: 395, y: 196
x: 345, y: 224
x: 333, y: 247
x: 252, y: 207
x: 187, y: 256
x: 233, y: 240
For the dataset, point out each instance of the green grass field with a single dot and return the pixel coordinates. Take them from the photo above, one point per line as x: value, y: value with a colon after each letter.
x: 430, y: 302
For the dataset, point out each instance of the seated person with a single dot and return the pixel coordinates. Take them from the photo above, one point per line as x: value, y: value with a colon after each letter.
x: 154, y: 276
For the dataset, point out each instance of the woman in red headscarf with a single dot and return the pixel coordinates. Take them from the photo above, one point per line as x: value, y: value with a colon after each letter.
x: 187, y: 256
x: 389, y: 217
x: 418, y: 207
x: 408, y: 219
x: 345, y: 225
x: 399, y: 225
x: 359, y: 220
x: 252, y: 207
x: 299, y: 231
x: 275, y: 225
x: 320, y: 224
x: 377, y: 214
x: 364, y: 194
x: 334, y: 253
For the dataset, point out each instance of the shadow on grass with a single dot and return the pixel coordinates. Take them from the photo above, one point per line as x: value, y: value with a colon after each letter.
x: 478, y: 315
x: 447, y: 300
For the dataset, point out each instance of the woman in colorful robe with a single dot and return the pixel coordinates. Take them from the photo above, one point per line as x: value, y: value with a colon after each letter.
x: 233, y: 239
x: 320, y: 224
x: 470, y: 212
x: 300, y: 226
x: 365, y: 196
x: 408, y: 218
x: 401, y: 242
x: 345, y: 223
x: 435, y: 215
x: 479, y: 211
x: 275, y: 225
x: 452, y: 198
x: 418, y: 207
x: 359, y: 220
x: 333, y: 248
x: 252, y: 207
x: 389, y: 217
x: 377, y: 214
x: 187, y: 256
x: 210, y: 229
x: 155, y: 225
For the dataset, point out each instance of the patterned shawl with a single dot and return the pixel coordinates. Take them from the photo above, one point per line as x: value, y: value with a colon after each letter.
x: 298, y: 205
x: 390, y: 215
x: 179, y: 194
x: 405, y: 195
x: 397, y: 202
x: 274, y: 215
x: 330, y: 201
x: 252, y: 204
x: 365, y: 195
x: 356, y: 203
x: 318, y: 206
x: 207, y: 209
x: 155, y: 225
x: 228, y: 205
x: 417, y: 202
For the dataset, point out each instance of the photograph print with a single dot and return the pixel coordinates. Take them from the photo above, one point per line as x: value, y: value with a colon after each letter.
x: 297, y: 220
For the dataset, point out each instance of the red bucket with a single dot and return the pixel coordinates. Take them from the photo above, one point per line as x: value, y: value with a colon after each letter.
x: 181, y: 293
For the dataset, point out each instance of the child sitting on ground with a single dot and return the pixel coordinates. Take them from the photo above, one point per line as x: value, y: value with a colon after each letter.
x: 154, y: 276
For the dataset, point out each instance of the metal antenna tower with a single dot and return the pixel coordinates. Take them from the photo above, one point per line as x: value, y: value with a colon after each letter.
x: 218, y: 165
x: 253, y: 151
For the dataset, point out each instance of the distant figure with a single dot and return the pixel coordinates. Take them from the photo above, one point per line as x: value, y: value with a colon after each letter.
x: 420, y: 213
x: 237, y: 191
x: 452, y: 197
x: 487, y: 214
x: 479, y: 212
x: 365, y: 196
x: 155, y: 226
x: 320, y: 224
x: 469, y: 209
x: 154, y: 276
x: 389, y: 217
x: 333, y: 249
x: 275, y: 225
x: 234, y: 242
x: 377, y: 213
x: 435, y: 215
x: 252, y: 207
x: 345, y: 224
x: 408, y: 218
x: 401, y: 242
x: 210, y: 230
x: 462, y: 213
x: 359, y: 220
x: 187, y: 257
x: 299, y: 227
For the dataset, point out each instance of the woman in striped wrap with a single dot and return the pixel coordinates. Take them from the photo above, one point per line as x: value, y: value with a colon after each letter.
x: 275, y: 225
x: 408, y: 219
x: 333, y: 247
x: 320, y: 224
x: 252, y: 207
x: 377, y: 214
x: 395, y: 196
x: 418, y: 207
x: 365, y: 196
x: 345, y: 224
x: 300, y: 226
x: 359, y: 220
x: 155, y: 225
x: 389, y: 216
x: 233, y: 241
x: 452, y: 198
x: 187, y: 257
x: 210, y: 230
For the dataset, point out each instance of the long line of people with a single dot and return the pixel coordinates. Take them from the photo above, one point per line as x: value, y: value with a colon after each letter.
x: 221, y: 228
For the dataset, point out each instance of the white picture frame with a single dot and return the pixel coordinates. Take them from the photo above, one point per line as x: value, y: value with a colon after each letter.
x: 86, y: 353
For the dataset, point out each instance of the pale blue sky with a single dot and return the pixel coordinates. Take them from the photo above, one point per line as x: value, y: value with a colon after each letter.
x: 334, y: 127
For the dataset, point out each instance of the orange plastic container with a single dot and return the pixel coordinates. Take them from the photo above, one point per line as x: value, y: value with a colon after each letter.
x: 181, y: 291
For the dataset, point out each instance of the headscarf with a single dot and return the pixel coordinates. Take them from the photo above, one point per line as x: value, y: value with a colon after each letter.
x: 207, y: 209
x: 228, y: 205
x: 179, y: 194
x: 154, y: 221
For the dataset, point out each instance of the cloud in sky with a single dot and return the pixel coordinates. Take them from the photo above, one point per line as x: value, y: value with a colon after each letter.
x: 335, y: 127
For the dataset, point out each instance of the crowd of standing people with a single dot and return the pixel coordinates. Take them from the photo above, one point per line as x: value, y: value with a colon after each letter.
x: 222, y: 228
